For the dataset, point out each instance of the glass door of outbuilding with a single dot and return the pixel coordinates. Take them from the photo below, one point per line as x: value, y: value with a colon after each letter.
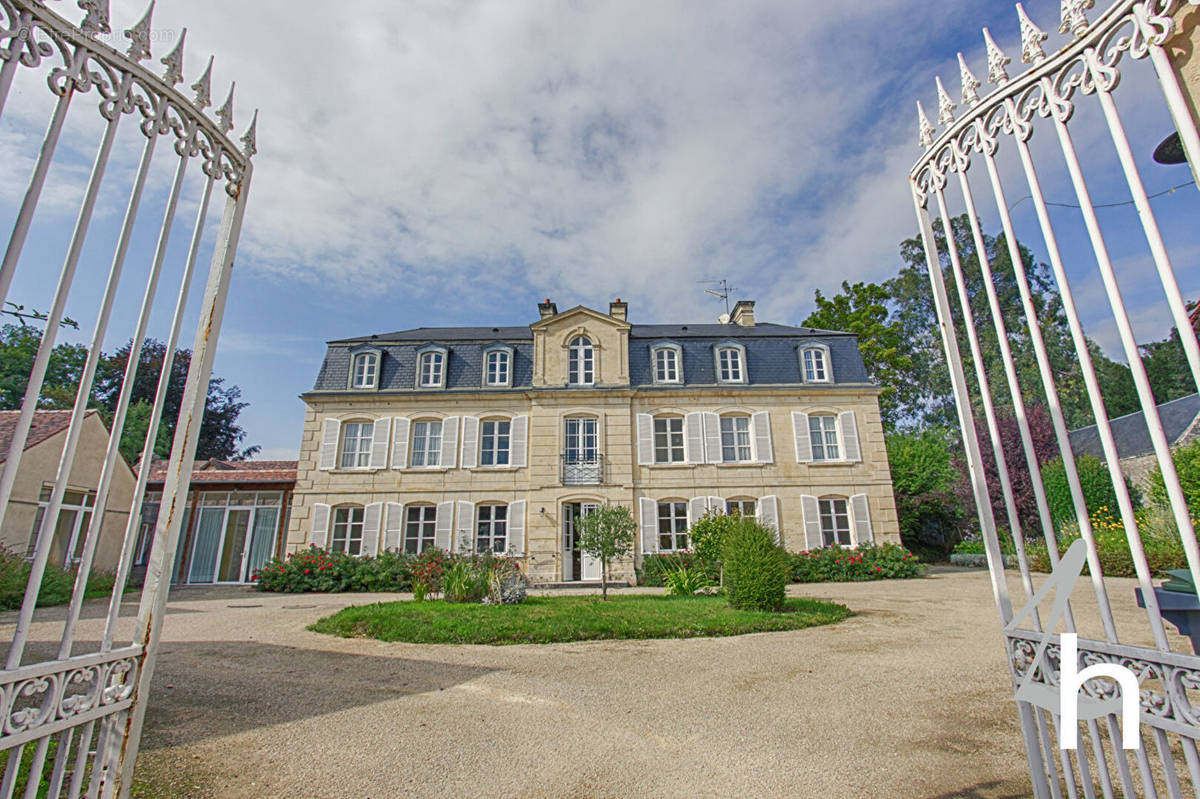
x: 231, y: 543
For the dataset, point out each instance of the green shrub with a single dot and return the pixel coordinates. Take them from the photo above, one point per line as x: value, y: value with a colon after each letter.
x: 1098, y: 492
x: 867, y: 562
x: 1187, y: 465
x: 466, y: 581
x: 707, y: 537
x: 57, y: 583
x: 924, y: 482
x: 1160, y: 542
x: 655, y: 568
x: 756, y: 567
x: 686, y: 581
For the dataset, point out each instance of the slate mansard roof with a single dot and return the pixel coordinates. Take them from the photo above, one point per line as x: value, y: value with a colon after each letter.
x: 771, y: 355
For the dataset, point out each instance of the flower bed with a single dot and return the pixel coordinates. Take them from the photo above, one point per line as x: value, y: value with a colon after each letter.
x: 867, y: 562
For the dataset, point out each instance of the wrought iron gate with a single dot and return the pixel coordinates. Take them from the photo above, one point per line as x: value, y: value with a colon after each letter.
x: 80, y: 715
x: 1087, y: 68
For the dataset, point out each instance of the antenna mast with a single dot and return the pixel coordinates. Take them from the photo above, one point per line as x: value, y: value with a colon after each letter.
x: 722, y: 293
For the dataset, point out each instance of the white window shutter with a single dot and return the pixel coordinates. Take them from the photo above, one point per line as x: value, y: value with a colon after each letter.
x: 716, y: 503
x: 648, y: 510
x: 768, y: 515
x: 516, y: 527
x: 518, y: 441
x: 320, y: 525
x: 645, y: 439
x: 380, y: 437
x: 712, y: 437
x: 849, y: 427
x: 760, y: 424
x: 861, y: 513
x: 802, y: 436
x: 696, y: 508
x: 449, y: 458
x: 693, y: 437
x: 400, y: 442
x: 443, y: 525
x: 372, y: 518
x: 470, y: 441
x: 329, y: 444
x: 465, y: 526
x: 812, y: 521
x: 393, y: 526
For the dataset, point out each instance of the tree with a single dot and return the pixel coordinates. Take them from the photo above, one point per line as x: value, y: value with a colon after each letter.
x: 607, y: 534
x: 18, y: 348
x: 927, y: 486
x: 862, y: 309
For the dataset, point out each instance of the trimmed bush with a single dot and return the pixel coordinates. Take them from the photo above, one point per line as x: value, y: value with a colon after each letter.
x: 756, y: 568
x: 867, y: 562
x: 1098, y: 492
x: 707, y: 538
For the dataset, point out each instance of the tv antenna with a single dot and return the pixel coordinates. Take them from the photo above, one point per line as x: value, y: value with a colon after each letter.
x: 721, y: 293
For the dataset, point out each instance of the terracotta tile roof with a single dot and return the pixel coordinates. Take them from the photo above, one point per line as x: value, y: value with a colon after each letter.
x: 45, y: 424
x: 218, y: 471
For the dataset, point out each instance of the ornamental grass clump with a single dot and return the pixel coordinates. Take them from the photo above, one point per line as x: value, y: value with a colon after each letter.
x: 466, y: 581
x: 756, y: 567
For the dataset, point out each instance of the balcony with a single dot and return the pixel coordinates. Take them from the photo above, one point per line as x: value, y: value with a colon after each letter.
x: 582, y: 470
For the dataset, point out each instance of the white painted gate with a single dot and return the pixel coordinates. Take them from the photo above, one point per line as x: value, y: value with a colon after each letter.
x: 1129, y: 35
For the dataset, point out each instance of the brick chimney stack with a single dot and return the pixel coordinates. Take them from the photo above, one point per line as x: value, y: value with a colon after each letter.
x: 547, y: 309
x: 618, y: 309
x: 743, y: 313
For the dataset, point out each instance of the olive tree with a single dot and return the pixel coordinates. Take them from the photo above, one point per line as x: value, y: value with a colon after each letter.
x: 606, y: 534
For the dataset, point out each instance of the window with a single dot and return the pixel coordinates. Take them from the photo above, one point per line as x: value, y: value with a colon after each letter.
x: 356, y: 444
x: 366, y: 369
x: 822, y: 430
x: 672, y: 526
x: 580, y: 441
x: 581, y: 362
x: 347, y: 530
x: 730, y: 366
x: 668, y: 439
x: 497, y: 368
x: 426, y: 443
x: 666, y: 364
x: 746, y: 508
x: 835, y: 522
x: 420, y: 523
x: 432, y: 369
x: 735, y: 439
x: 70, y: 531
x: 494, y: 442
x: 816, y: 369
x: 491, y: 529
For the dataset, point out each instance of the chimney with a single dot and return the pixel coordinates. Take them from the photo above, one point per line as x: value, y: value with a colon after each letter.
x: 618, y: 309
x: 547, y: 309
x: 743, y: 313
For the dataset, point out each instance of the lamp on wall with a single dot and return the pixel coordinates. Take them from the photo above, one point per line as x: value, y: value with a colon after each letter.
x: 543, y: 511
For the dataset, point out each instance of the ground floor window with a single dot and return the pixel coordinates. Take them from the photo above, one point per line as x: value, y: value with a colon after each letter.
x: 347, y: 530
x: 747, y: 508
x: 672, y: 526
x: 70, y: 529
x: 491, y: 529
x: 835, y: 522
x: 420, y: 524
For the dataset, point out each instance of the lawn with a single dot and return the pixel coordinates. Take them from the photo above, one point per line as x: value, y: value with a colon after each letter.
x: 548, y: 620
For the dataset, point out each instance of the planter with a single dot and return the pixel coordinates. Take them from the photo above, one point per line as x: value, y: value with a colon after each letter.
x: 1179, y: 608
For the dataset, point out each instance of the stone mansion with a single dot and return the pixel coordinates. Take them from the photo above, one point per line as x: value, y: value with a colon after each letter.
x: 501, y: 438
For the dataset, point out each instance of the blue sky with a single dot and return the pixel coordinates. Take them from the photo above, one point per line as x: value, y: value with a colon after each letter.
x: 433, y: 163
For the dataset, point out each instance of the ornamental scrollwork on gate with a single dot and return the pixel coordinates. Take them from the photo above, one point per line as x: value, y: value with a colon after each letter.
x: 37, y: 700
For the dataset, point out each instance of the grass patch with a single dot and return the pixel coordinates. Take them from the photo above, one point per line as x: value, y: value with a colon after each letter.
x: 549, y: 620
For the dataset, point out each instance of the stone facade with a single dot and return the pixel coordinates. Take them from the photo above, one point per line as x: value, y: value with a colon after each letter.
x: 623, y: 398
x: 1184, y: 51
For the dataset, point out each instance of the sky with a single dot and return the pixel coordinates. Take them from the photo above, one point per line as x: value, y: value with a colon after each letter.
x: 441, y: 163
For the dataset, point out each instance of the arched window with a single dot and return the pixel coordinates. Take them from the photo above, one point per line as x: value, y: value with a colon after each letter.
x: 365, y: 373
x: 667, y: 363
x: 431, y: 369
x: 814, y: 364
x: 497, y: 367
x: 581, y: 362
x: 356, y: 444
x: 730, y: 363
x: 420, y: 527
x: 347, y: 531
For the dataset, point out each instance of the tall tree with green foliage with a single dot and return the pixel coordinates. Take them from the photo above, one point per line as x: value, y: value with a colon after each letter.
x: 606, y: 534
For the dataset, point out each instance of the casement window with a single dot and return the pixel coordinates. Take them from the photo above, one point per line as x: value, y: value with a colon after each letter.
x: 497, y: 368
x: 667, y: 363
x: 835, y: 521
x: 672, y: 526
x: 746, y: 508
x: 491, y: 529
x: 814, y: 363
x: 420, y: 528
x: 735, y: 439
x: 581, y: 362
x: 347, y: 532
x: 580, y: 440
x: 356, y: 444
x: 494, y: 442
x: 365, y: 372
x: 731, y: 363
x: 822, y: 430
x: 668, y: 439
x: 431, y: 369
x: 426, y: 443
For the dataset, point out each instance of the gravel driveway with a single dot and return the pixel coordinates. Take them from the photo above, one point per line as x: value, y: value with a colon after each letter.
x: 907, y: 698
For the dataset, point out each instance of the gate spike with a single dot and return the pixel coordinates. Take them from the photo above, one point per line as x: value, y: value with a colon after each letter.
x: 1031, y: 38
x: 96, y: 20
x: 1073, y: 18
x: 225, y: 112
x: 139, y: 37
x: 250, y: 139
x: 970, y: 83
x: 996, y: 60
x: 203, y: 87
x: 924, y: 128
x: 173, y: 61
x: 946, y: 106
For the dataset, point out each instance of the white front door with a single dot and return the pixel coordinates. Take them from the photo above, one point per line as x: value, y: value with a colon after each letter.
x: 589, y: 566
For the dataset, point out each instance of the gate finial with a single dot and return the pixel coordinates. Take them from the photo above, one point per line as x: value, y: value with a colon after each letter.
x: 924, y: 127
x: 203, y: 87
x: 996, y: 60
x: 1031, y: 38
x: 946, y: 106
x: 1073, y: 18
x: 225, y: 112
x: 96, y: 20
x: 250, y: 139
x: 970, y: 83
x: 139, y: 37
x: 173, y: 61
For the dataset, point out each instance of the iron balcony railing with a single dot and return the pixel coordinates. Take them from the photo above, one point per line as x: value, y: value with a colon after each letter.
x: 581, y: 470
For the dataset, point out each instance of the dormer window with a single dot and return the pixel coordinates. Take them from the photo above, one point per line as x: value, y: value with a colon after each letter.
x: 814, y: 364
x: 498, y: 366
x: 668, y: 363
x: 581, y: 362
x: 731, y: 363
x: 364, y: 369
x: 431, y: 368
